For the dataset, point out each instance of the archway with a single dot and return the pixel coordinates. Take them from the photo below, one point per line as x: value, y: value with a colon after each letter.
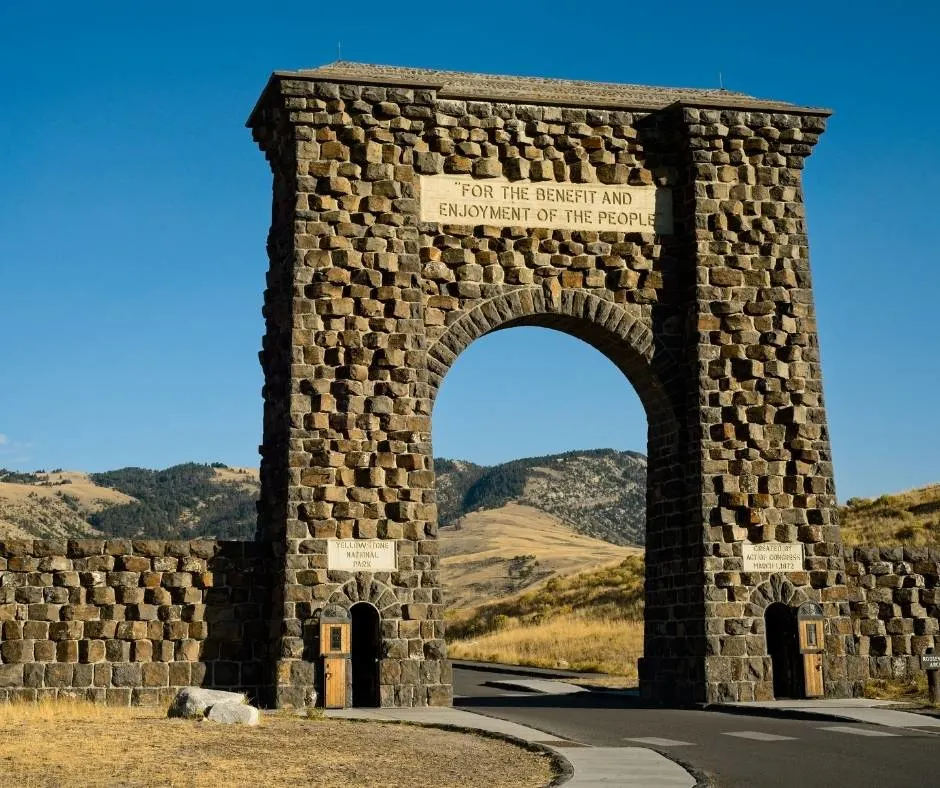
x: 365, y: 655
x: 539, y: 446
x: 380, y: 275
x: 784, y: 650
x: 673, y: 633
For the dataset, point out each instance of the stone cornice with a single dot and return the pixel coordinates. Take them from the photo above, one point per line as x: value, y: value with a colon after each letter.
x: 535, y: 90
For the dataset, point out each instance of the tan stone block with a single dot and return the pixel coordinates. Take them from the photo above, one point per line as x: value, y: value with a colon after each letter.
x: 91, y: 651
x: 17, y: 651
x: 131, y: 630
x: 156, y: 674
x: 188, y: 650
x: 66, y: 630
x: 142, y: 651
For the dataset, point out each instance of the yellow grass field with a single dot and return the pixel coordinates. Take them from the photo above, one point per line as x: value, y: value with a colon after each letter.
x: 55, y: 509
x: 55, y: 744
x: 568, y: 641
x: 249, y: 478
x: 591, y: 621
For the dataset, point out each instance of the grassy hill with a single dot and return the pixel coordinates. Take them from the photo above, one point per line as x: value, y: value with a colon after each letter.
x: 908, y: 518
x: 53, y: 505
x: 493, y: 553
x: 590, y: 621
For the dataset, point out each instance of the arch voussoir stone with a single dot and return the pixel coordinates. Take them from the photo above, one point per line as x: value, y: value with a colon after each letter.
x: 778, y: 588
x: 362, y: 588
x: 607, y: 325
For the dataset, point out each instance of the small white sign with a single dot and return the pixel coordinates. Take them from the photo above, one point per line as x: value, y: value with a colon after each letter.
x: 773, y: 557
x: 361, y: 555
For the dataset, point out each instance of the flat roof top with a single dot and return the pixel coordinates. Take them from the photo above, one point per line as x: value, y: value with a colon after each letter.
x: 539, y: 90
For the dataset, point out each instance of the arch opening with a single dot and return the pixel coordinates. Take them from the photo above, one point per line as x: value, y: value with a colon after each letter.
x: 365, y: 654
x: 784, y: 650
x: 621, y: 335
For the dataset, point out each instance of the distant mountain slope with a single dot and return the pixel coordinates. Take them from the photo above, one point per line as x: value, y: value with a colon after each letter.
x: 51, y: 505
x: 183, y: 502
x: 907, y: 518
x: 599, y: 493
x: 492, y: 553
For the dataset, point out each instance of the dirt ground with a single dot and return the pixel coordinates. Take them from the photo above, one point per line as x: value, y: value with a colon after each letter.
x: 77, y: 744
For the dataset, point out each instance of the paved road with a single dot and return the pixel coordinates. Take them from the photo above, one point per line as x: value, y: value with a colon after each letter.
x: 735, y: 750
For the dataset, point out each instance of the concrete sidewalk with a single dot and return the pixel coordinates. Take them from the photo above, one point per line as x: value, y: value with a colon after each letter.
x: 874, y: 712
x: 592, y: 767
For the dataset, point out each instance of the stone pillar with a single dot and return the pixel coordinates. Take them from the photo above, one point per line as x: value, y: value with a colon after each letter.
x: 764, y: 451
x: 351, y: 457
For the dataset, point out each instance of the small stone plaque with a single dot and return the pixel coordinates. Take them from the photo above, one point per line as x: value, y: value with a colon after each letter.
x: 773, y: 557
x: 499, y: 202
x: 361, y: 555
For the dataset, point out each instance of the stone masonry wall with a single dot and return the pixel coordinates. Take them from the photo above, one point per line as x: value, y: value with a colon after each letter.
x: 123, y: 622
x: 894, y: 595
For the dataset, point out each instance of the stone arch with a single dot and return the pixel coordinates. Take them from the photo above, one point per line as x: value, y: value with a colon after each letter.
x: 617, y: 331
x: 777, y: 588
x: 363, y: 587
x: 623, y: 334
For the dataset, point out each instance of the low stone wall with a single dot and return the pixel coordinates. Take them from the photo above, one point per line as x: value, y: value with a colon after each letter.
x: 130, y: 622
x: 894, y: 595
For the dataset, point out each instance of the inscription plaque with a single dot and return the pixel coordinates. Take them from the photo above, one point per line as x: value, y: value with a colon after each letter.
x: 498, y: 202
x: 361, y: 555
x: 773, y: 557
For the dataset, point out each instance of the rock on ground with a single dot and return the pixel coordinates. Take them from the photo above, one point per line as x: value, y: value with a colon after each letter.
x: 194, y: 702
x: 234, y: 714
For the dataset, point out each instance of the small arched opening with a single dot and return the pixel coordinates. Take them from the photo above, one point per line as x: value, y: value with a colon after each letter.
x: 784, y: 649
x: 365, y: 655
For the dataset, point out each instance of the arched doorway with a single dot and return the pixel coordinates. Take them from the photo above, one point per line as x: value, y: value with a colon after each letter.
x: 784, y: 650
x: 365, y: 655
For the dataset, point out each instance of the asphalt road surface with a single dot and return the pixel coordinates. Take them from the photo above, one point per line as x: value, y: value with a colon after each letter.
x: 733, y: 750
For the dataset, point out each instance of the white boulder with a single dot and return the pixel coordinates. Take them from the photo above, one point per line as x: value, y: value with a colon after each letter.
x: 234, y: 714
x: 193, y: 703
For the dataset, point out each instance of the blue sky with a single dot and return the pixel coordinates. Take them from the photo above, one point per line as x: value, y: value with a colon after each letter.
x: 134, y: 208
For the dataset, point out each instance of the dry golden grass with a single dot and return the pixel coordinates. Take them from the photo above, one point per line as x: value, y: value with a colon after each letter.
x: 89, y: 495
x: 568, y: 641
x: 908, y: 518
x: 590, y: 621
x: 248, y: 478
x: 78, y: 744
x: 911, y: 690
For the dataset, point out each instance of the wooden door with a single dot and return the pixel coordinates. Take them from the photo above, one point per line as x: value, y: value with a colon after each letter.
x: 813, y: 675
x: 334, y: 674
